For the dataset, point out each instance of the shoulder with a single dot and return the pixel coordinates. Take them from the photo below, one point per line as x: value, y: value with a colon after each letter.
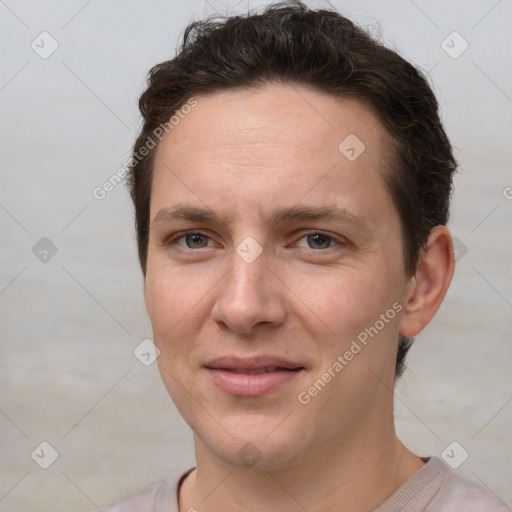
x: 151, y: 499
x: 142, y: 501
x: 458, y: 493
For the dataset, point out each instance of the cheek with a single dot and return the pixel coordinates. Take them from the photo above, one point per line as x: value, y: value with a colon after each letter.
x: 167, y: 311
x: 175, y: 298
x: 349, y: 306
x: 343, y: 302
x: 181, y: 306
x: 175, y: 305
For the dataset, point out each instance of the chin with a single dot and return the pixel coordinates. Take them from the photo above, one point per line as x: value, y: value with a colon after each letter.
x: 253, y: 449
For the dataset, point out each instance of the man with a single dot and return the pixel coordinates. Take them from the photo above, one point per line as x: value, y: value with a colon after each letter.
x: 291, y: 186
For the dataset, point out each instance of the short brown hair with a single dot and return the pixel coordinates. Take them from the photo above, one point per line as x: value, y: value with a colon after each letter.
x: 290, y: 43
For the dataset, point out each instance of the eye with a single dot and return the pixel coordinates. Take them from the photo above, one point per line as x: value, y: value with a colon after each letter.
x: 197, y: 240
x: 317, y: 240
x: 193, y: 240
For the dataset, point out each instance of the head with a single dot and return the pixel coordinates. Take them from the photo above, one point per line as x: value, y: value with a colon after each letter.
x: 260, y: 120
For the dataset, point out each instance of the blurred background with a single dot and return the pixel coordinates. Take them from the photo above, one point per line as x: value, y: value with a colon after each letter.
x: 71, y: 306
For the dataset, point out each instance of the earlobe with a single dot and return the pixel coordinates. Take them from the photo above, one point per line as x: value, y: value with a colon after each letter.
x: 427, y: 288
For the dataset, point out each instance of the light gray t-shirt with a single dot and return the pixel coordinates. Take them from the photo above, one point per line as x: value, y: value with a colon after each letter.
x: 434, y: 488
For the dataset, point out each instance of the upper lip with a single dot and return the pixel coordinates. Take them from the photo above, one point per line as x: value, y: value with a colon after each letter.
x: 251, y: 363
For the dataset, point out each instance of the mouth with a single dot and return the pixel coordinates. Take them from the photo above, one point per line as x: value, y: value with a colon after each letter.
x: 260, y: 364
x: 252, y: 376
x: 257, y: 371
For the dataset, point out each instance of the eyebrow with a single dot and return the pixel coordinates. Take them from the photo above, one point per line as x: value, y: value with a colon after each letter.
x: 277, y: 216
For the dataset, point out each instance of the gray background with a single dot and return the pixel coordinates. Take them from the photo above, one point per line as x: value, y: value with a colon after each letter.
x: 68, y: 327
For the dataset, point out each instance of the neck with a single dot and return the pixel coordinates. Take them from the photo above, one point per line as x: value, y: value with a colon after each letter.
x: 358, y: 476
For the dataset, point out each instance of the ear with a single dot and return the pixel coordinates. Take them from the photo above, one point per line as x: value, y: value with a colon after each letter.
x: 427, y: 288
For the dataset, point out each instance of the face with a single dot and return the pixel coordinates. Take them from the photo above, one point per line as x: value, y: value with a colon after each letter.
x: 268, y: 279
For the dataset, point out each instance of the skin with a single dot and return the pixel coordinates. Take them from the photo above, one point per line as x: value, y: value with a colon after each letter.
x: 242, y: 153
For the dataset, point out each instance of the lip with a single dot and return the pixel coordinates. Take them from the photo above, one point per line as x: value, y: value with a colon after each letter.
x: 227, y: 373
x: 244, y: 384
x: 242, y: 364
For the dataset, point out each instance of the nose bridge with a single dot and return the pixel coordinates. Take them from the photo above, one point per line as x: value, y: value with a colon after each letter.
x: 248, y: 295
x: 249, y: 250
x: 248, y: 267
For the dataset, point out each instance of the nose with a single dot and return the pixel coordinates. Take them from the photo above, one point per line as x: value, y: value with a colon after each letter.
x: 251, y: 294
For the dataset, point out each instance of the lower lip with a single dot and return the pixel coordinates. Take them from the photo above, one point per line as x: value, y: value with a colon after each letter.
x: 242, y: 384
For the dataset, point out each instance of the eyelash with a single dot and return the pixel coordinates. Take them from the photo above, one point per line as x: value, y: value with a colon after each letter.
x: 173, y: 240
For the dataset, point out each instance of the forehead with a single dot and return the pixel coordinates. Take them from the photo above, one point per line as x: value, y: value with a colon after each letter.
x: 279, y: 114
x: 279, y: 143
